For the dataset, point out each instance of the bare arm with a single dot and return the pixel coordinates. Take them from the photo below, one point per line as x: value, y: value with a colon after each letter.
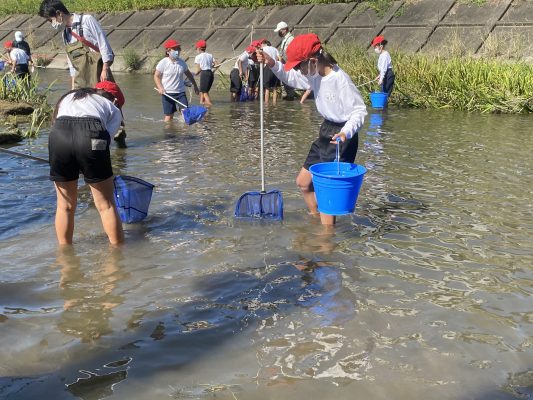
x: 189, y: 75
x: 158, y: 84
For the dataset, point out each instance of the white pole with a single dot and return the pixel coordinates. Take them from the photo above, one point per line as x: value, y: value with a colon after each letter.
x: 261, y: 127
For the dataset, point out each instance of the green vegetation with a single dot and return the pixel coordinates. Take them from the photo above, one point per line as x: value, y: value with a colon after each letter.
x: 27, y: 91
x: 32, y: 6
x: 436, y: 81
x: 132, y: 60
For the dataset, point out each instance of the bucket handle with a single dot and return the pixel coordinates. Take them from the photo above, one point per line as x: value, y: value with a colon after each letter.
x: 338, y: 156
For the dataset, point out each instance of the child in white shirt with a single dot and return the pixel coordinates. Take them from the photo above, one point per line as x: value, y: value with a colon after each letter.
x: 204, y: 67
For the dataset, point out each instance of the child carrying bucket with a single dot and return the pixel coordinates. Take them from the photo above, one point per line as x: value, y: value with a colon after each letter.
x: 84, y: 122
x: 337, y: 99
x: 204, y: 67
x: 169, y: 79
x: 386, y: 75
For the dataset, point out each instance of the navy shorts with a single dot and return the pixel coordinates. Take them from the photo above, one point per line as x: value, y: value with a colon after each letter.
x: 324, y: 151
x: 270, y: 79
x: 170, y: 106
x: 79, y: 145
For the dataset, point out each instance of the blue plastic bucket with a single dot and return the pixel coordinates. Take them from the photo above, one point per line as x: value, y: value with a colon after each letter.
x: 378, y: 99
x: 132, y: 197
x: 336, y: 194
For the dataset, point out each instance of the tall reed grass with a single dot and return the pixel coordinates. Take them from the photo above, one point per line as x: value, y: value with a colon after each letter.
x: 436, y: 81
x: 28, y: 91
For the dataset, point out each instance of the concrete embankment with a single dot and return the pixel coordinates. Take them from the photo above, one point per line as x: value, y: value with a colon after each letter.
x: 494, y: 29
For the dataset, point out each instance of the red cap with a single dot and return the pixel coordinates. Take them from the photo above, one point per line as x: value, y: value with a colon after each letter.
x: 256, y: 43
x: 8, y: 44
x: 171, y: 43
x: 113, y: 89
x: 377, y: 40
x: 263, y: 40
x: 300, y: 49
x: 251, y: 49
x: 201, y: 44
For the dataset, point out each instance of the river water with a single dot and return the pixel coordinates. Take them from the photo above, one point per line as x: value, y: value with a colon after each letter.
x: 424, y: 292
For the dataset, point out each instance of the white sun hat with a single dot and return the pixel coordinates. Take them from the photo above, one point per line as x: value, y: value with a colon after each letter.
x: 281, y: 25
x: 19, y: 36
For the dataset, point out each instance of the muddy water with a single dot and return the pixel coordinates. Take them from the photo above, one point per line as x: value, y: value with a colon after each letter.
x: 424, y: 292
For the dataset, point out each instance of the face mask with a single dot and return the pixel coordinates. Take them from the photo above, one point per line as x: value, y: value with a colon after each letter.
x: 174, y: 54
x: 56, y: 24
x: 315, y: 73
x: 377, y: 50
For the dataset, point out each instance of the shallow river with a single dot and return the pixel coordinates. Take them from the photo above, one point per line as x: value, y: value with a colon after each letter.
x: 424, y: 292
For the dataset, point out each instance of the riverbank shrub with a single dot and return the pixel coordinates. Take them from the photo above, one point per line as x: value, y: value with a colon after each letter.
x: 466, y: 83
x: 27, y: 91
x: 132, y: 59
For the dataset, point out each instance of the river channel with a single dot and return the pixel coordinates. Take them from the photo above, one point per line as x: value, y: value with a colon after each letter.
x: 423, y: 292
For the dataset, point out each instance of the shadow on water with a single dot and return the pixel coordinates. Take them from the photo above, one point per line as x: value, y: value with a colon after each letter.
x: 212, y: 311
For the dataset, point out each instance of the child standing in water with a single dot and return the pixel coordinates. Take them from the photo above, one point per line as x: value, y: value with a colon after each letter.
x: 169, y: 79
x: 204, y: 67
x: 84, y: 121
x: 337, y: 99
x: 386, y: 75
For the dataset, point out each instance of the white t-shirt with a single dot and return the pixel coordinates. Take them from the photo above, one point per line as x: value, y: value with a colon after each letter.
x: 384, y: 63
x: 92, y: 105
x: 18, y: 56
x: 205, y: 60
x: 336, y: 97
x: 172, y: 74
x: 243, y: 58
x: 272, y: 52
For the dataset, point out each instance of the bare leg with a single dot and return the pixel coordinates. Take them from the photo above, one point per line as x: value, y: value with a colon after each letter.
x: 274, y: 95
x: 105, y: 204
x: 67, y: 198
x: 267, y: 96
x: 207, y: 100
x: 304, y: 181
x: 169, y: 118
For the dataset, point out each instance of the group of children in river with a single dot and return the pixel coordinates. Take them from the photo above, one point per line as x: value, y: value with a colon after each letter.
x: 88, y: 116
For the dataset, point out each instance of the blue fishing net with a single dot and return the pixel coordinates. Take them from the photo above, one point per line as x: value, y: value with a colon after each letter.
x: 260, y: 205
x: 132, y: 197
x: 193, y: 114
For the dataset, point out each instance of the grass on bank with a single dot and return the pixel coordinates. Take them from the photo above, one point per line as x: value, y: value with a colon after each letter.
x: 457, y: 82
x: 27, y: 91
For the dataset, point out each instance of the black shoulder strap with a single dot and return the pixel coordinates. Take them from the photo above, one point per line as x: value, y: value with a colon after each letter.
x: 81, y: 25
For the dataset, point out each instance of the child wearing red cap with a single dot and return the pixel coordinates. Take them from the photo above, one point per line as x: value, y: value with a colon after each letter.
x: 169, y: 79
x: 18, y: 60
x: 84, y: 121
x: 204, y: 67
x: 337, y: 99
x: 386, y: 74
x: 253, y: 73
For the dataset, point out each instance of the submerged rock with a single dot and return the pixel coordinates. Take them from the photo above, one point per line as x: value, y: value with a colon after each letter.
x: 9, y: 108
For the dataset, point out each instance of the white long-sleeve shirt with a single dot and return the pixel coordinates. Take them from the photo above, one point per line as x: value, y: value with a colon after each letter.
x: 93, y: 105
x: 336, y: 97
x: 93, y: 32
x: 384, y: 63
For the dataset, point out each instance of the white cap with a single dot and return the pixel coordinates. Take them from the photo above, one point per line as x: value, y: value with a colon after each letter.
x: 19, y: 36
x: 281, y: 25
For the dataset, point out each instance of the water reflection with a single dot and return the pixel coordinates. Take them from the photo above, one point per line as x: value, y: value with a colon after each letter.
x: 89, y: 292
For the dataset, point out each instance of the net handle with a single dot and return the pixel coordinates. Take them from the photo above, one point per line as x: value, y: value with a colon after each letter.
x: 261, y: 95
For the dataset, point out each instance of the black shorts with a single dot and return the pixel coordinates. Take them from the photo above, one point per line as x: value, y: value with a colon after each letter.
x: 271, y: 81
x: 79, y: 145
x: 170, y: 106
x: 253, y: 76
x: 235, y: 81
x: 206, y: 80
x: 324, y: 151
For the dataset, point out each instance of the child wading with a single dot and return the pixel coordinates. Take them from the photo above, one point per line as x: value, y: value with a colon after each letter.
x: 386, y: 75
x: 272, y: 82
x: 84, y: 120
x: 239, y: 74
x: 170, y: 81
x: 18, y: 60
x: 204, y: 67
x: 337, y: 99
